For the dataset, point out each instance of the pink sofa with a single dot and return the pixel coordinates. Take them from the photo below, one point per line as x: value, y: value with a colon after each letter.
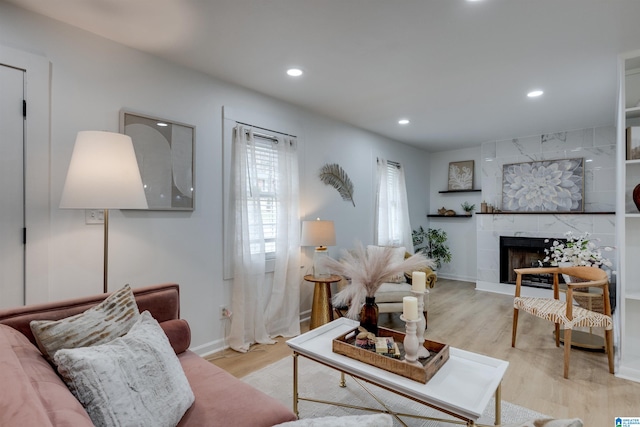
x: 32, y: 394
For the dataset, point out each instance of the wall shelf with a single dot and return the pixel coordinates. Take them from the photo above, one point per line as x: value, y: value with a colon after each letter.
x: 448, y: 216
x: 460, y: 191
x: 632, y: 112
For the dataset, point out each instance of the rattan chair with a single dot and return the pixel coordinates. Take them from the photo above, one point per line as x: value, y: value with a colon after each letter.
x: 567, y: 315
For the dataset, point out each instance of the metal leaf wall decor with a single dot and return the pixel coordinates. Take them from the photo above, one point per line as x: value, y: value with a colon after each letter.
x: 333, y: 175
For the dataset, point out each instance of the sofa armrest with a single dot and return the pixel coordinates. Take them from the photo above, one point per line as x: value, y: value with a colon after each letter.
x: 179, y: 334
x: 430, y: 280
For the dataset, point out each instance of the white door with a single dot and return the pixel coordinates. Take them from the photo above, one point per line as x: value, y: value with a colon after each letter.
x: 11, y: 187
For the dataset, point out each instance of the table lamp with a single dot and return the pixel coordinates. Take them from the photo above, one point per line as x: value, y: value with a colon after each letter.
x: 103, y: 174
x: 319, y: 233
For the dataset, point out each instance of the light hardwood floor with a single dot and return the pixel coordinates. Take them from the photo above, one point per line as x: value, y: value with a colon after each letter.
x: 481, y: 322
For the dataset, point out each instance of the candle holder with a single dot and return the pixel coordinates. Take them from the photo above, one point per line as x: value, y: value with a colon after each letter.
x: 423, y: 353
x: 411, y: 342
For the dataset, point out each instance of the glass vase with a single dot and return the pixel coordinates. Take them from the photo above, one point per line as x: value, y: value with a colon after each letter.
x: 369, y: 315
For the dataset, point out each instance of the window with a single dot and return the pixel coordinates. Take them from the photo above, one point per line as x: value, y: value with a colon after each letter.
x: 260, y: 185
x: 395, y: 206
x: 266, y: 167
x: 392, y: 222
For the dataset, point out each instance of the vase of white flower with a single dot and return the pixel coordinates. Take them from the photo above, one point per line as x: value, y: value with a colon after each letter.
x: 576, y: 251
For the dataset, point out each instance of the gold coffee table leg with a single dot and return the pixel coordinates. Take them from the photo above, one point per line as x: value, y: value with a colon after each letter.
x: 343, y: 381
x: 498, y: 397
x: 295, y: 384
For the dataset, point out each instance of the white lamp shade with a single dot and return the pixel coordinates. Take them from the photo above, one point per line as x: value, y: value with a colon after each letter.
x: 103, y: 174
x: 318, y: 233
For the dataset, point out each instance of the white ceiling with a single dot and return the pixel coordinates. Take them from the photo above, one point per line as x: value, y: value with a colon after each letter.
x: 458, y: 70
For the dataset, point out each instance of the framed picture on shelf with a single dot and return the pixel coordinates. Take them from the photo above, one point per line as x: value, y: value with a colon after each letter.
x: 165, y: 153
x: 461, y: 175
x: 544, y: 186
x: 633, y: 143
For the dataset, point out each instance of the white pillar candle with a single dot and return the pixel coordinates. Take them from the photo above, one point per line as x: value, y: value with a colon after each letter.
x: 410, y: 308
x: 418, y: 281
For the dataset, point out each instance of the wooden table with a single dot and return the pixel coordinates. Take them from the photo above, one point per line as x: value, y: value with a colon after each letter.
x: 321, y: 309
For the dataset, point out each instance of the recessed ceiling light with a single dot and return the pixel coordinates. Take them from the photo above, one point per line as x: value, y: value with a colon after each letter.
x: 535, y: 93
x: 161, y: 124
x: 294, y: 72
x: 403, y: 122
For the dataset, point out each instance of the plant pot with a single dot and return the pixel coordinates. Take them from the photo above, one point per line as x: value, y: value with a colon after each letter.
x: 369, y: 315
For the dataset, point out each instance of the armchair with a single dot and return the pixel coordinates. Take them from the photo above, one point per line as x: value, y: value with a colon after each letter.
x: 564, y: 312
x: 389, y: 296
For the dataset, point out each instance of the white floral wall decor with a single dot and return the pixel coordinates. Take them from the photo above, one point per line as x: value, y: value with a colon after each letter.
x: 543, y: 186
x: 461, y: 175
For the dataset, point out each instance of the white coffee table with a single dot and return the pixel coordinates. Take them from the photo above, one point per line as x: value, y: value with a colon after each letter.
x: 461, y: 388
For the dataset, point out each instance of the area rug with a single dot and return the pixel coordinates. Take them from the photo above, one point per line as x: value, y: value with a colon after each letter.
x: 320, y: 382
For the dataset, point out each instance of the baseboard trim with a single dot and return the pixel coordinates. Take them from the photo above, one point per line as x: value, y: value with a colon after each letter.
x: 506, y: 289
x: 210, y: 348
x: 454, y: 277
x: 628, y: 373
x: 219, y: 345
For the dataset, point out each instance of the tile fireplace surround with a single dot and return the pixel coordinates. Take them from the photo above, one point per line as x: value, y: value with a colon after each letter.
x: 597, y: 146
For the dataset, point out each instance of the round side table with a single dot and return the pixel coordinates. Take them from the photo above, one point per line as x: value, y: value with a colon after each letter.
x: 321, y: 309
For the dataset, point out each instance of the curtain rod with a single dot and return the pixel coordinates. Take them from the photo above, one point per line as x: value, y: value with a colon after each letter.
x: 263, y: 136
x: 391, y: 162
x: 268, y: 130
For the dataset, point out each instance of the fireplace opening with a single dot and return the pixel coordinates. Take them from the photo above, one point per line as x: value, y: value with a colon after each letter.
x: 524, y: 252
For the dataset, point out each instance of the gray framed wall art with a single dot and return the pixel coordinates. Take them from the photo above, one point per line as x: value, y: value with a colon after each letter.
x: 461, y: 175
x: 165, y: 153
x: 543, y: 186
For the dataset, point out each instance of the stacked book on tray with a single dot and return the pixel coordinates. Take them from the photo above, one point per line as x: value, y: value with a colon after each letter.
x: 385, y: 346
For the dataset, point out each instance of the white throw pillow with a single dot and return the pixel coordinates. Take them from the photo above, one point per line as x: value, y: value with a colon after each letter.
x: 110, y: 319
x: 135, y: 380
x: 397, y: 256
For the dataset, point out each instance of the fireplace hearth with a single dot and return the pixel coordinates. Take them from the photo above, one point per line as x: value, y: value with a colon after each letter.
x: 524, y: 252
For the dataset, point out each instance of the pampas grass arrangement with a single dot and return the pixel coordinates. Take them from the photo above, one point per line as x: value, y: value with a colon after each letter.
x: 368, y: 271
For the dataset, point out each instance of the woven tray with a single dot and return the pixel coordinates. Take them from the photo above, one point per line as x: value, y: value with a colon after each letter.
x: 439, y: 354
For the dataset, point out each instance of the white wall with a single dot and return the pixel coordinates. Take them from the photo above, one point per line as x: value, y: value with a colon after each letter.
x: 598, y: 148
x: 461, y: 232
x: 91, y: 80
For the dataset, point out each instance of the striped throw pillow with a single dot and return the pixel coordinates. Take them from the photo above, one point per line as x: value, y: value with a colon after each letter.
x: 110, y: 319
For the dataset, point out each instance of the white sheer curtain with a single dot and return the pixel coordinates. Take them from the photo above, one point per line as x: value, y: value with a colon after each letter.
x: 393, y: 227
x: 283, y: 309
x: 258, y: 316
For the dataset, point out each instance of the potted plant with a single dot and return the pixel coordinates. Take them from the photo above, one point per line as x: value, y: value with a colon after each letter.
x: 433, y: 243
x: 468, y: 208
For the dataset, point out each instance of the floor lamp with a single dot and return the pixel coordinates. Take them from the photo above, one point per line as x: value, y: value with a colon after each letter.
x: 103, y: 174
x: 320, y: 234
